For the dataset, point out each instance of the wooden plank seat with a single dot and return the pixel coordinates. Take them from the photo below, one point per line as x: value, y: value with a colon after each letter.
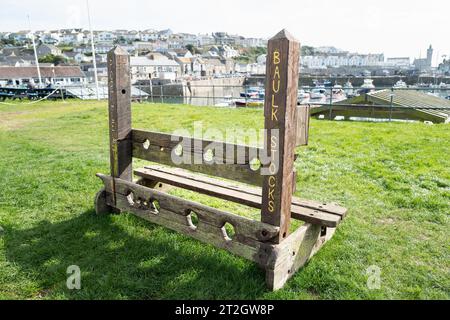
x: 324, y: 214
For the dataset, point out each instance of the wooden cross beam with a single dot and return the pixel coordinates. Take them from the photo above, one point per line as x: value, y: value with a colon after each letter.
x: 281, y: 126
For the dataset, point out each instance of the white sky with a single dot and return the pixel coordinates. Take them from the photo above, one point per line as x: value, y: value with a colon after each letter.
x: 395, y: 27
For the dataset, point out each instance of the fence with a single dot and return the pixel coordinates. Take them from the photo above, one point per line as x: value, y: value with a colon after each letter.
x: 334, y: 97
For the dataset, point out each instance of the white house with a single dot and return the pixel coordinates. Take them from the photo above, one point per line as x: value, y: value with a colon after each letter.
x: 105, y: 37
x: 71, y: 37
x: 61, y: 75
x: 398, y: 62
x: 228, y: 52
x: 149, y: 35
x: 154, y: 66
x: 205, y: 40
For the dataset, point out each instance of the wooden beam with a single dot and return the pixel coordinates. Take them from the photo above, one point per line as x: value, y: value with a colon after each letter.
x: 224, y: 190
x: 302, y: 125
x: 230, y: 161
x: 228, y: 153
x: 292, y: 254
x: 147, y: 174
x: 280, y: 124
x: 119, y: 105
x: 245, y: 228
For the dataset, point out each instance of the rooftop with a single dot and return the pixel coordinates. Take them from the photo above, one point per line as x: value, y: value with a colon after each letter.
x: 46, y: 72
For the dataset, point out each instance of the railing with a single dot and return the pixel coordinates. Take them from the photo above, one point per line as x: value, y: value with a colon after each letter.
x: 230, y: 95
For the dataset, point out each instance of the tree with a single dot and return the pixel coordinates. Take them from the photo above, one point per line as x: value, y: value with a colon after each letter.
x: 50, y: 58
x: 11, y: 42
x: 308, y: 51
x: 192, y: 49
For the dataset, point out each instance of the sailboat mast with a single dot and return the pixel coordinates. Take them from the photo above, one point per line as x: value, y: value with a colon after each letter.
x: 93, y: 51
x: 35, y: 52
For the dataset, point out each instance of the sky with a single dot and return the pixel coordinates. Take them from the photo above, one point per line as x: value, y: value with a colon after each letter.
x: 396, y: 28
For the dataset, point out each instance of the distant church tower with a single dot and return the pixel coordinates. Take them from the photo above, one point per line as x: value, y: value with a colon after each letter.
x: 430, y: 56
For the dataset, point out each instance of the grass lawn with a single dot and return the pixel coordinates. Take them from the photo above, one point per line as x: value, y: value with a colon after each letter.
x: 393, y: 177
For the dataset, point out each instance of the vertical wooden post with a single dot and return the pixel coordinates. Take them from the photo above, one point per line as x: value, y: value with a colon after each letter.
x: 303, y: 125
x: 119, y: 90
x: 280, y: 124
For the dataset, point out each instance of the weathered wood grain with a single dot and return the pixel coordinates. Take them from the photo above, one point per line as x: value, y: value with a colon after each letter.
x: 280, y: 115
x: 119, y: 106
x: 303, y: 125
x: 238, y: 172
x: 227, y: 152
x: 245, y: 228
x: 213, y: 187
x: 292, y: 254
x: 329, y: 207
x: 119, y: 110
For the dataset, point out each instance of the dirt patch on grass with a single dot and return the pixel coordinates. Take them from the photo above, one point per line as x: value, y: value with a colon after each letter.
x: 11, y: 123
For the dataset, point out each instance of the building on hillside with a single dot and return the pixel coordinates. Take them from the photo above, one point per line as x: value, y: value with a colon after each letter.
x: 401, y: 62
x: 154, y: 66
x: 180, y: 53
x: 60, y: 75
x: 344, y: 59
x: 222, y: 38
x: 205, y: 40
x: 71, y: 36
x: 251, y: 42
x: 141, y: 46
x: 189, y: 39
x: 186, y: 65
x: 164, y: 34
x: 21, y: 36
x: 228, y: 52
x: 16, y: 57
x: 250, y: 68
x: 46, y: 49
x: 444, y: 67
x: 102, y: 72
x: 75, y: 57
x: 161, y: 46
x: 215, y: 66
x: 127, y: 36
x: 261, y: 59
x: 105, y: 37
x: 149, y: 35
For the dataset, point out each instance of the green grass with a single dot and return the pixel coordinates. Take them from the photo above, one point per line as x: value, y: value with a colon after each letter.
x: 393, y: 177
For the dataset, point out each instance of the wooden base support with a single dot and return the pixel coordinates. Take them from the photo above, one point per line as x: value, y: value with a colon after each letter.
x: 252, y: 239
x: 294, y: 252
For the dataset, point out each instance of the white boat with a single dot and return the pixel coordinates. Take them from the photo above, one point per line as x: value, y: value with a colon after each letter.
x: 302, y: 96
x: 400, y: 84
x: 348, y: 89
x: 367, y: 86
x: 443, y: 85
x: 338, y: 93
x: 318, y: 94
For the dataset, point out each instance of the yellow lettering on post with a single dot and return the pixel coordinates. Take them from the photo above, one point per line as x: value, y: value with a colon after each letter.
x: 276, y: 57
x: 276, y: 80
x: 271, y: 206
x: 272, y: 182
x: 274, y: 109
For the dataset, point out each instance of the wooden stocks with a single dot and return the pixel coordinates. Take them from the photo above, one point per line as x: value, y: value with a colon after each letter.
x: 281, y: 125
